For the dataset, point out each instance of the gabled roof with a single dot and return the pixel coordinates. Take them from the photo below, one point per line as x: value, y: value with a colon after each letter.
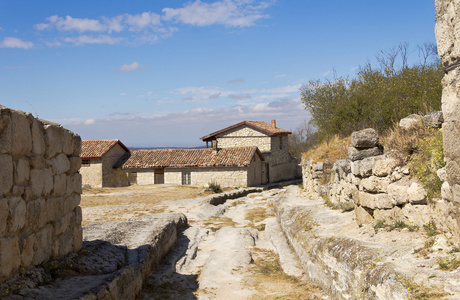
x: 266, y: 128
x: 180, y: 158
x: 98, y: 148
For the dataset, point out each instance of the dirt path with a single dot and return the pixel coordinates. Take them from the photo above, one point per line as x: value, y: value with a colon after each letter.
x: 228, y: 252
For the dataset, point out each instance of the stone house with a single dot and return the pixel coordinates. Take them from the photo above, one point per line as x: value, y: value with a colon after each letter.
x: 233, y: 166
x: 272, y: 142
x: 98, y: 158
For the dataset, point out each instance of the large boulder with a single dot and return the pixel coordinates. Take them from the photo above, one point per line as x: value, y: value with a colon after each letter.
x: 366, y: 138
x: 433, y: 119
x: 355, y: 154
x: 410, y: 121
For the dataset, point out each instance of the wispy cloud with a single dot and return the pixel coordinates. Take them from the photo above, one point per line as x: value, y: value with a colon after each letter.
x: 148, y: 27
x: 236, y: 80
x: 12, y: 42
x: 231, y: 13
x: 129, y: 67
x: 280, y: 76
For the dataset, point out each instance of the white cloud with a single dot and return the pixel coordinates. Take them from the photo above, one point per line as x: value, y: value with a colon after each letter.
x: 69, y: 24
x: 12, y: 42
x: 128, y: 68
x: 280, y: 76
x: 86, y: 39
x: 143, y: 20
x: 325, y: 74
x: 123, y: 94
x: 231, y: 13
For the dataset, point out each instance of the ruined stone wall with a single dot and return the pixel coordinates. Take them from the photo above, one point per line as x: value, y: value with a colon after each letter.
x: 92, y: 174
x: 111, y: 176
x: 448, y: 40
x: 40, y: 190
x: 202, y: 176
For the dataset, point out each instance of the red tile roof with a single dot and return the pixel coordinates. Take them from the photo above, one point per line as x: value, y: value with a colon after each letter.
x: 181, y: 158
x: 257, y: 125
x: 98, y: 148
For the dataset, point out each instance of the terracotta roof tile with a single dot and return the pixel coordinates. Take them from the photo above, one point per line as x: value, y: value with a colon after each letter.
x: 258, y: 125
x: 180, y: 158
x: 97, y: 148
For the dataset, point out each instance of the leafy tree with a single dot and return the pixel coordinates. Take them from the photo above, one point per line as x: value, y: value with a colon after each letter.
x: 377, y: 97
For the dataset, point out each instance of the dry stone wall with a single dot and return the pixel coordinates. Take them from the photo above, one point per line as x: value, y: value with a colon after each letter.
x: 377, y: 187
x: 40, y: 190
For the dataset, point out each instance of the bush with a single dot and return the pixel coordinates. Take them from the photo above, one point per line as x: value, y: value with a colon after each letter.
x: 215, y: 187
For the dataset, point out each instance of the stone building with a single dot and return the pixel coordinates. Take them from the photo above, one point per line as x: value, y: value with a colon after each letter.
x: 235, y: 166
x: 272, y: 142
x: 98, y: 158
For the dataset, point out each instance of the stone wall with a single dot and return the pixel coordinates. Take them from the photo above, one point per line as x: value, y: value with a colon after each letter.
x: 202, y: 176
x: 39, y: 191
x: 92, y: 173
x: 448, y: 40
x: 111, y: 176
x: 376, y: 186
x: 244, y: 136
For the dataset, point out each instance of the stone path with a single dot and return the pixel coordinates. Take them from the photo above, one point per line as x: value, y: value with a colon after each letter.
x: 228, y: 252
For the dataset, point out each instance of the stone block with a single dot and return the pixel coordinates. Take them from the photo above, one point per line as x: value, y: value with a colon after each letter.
x: 54, y: 208
x: 318, y: 166
x: 70, y: 203
x: 43, y: 244
x: 53, y: 139
x: 10, y: 258
x: 398, y: 193
x: 384, y: 167
x: 6, y: 174
x: 366, y: 138
x: 36, y: 214
x: 18, y: 211
x: 416, y: 194
x: 75, y: 164
x: 389, y: 215
x: 4, y: 211
x: 6, y: 131
x: 21, y: 171
x: 76, y: 139
x: 374, y: 201
x: 74, y: 183
x: 38, y: 140
x: 62, y: 225
x: 61, y: 164
x: 433, y: 119
x: 17, y: 190
x: 39, y: 162
x: 362, y: 168
x: 60, y: 185
x: 442, y: 174
x: 68, y: 145
x: 375, y: 184
x: 446, y: 193
x: 355, y: 154
x: 27, y: 250
x: 362, y: 216
x: 410, y: 121
x: 77, y: 238
x: 21, y: 134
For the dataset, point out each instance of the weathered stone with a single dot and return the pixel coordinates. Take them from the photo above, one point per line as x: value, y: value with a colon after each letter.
x: 6, y: 174
x: 433, y: 119
x: 355, y: 154
x: 74, y: 183
x: 10, y: 257
x: 36, y: 214
x: 38, y: 162
x: 18, y: 211
x: 410, y: 121
x: 384, y: 167
x: 68, y: 146
x: 53, y: 140
x: 75, y: 164
x: 43, y: 243
x: 60, y: 185
x: 374, y: 201
x: 416, y: 194
x: 363, y: 168
x: 398, y: 193
x: 3, y: 215
x: 366, y: 138
x: 362, y: 216
x: 395, y: 176
x: 60, y: 163
x: 375, y: 184
x: 27, y: 250
x: 21, y: 171
x: 6, y: 131
x: 21, y: 134
x: 442, y: 174
x: 446, y: 193
x: 38, y: 140
x: 318, y: 166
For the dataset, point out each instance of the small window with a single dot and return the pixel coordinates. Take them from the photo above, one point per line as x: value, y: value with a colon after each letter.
x: 186, y: 178
x: 85, y: 162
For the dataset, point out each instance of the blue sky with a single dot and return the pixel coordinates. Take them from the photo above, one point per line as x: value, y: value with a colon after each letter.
x: 165, y: 73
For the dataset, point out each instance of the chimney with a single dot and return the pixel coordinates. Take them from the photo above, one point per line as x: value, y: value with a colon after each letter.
x: 274, y: 123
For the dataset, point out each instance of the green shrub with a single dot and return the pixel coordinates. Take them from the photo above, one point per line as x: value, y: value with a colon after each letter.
x: 215, y: 187
x: 431, y: 229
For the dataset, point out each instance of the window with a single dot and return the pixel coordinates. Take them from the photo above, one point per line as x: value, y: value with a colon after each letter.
x: 85, y: 163
x: 186, y: 177
x: 281, y: 142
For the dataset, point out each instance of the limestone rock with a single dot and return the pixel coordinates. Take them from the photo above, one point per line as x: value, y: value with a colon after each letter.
x: 374, y: 201
x: 6, y: 174
x: 375, y: 184
x: 363, y: 168
x: 398, y: 193
x: 442, y: 174
x: 362, y: 216
x: 446, y: 193
x: 410, y: 121
x: 433, y: 119
x: 384, y: 167
x: 416, y: 194
x: 318, y: 166
x: 355, y: 154
x: 366, y: 138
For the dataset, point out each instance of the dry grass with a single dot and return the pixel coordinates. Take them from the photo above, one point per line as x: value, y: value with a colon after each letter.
x: 268, y: 278
x: 332, y: 150
x: 216, y: 223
